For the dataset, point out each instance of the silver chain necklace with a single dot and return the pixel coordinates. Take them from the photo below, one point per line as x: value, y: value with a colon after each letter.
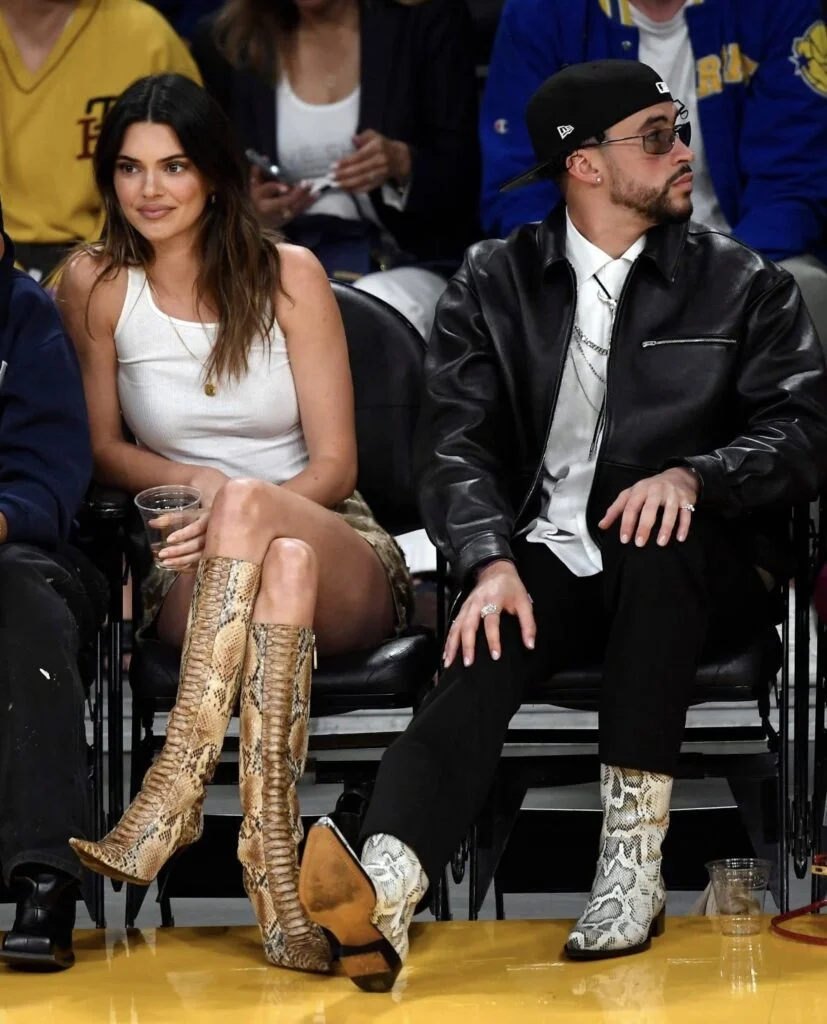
x: 586, y: 340
x: 583, y: 341
x: 578, y: 340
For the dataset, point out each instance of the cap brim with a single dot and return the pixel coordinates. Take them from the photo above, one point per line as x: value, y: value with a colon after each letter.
x: 538, y: 173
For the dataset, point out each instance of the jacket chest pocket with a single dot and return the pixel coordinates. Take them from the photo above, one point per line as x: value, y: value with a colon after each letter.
x: 708, y: 340
x: 685, y: 375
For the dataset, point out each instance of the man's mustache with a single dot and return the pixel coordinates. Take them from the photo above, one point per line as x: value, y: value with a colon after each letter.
x: 682, y: 170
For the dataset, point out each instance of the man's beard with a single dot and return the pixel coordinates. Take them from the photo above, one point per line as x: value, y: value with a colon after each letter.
x: 655, y: 205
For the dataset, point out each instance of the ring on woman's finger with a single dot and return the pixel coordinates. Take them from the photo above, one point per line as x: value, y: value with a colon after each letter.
x: 687, y: 508
x: 488, y: 609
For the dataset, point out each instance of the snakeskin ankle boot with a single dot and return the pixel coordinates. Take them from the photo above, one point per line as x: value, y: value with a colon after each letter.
x: 368, y: 905
x: 166, y: 813
x: 627, y: 905
x: 275, y: 700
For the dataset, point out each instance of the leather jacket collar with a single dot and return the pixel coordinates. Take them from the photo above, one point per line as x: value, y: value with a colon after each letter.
x: 664, y: 244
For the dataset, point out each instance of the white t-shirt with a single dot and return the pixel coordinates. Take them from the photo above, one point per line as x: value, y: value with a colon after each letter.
x: 666, y: 47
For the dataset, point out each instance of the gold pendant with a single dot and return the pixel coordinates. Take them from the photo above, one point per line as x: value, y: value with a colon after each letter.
x: 209, y: 389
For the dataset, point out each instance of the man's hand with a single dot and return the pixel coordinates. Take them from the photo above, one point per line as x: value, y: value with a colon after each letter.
x: 376, y: 161
x: 500, y: 585
x: 671, y: 491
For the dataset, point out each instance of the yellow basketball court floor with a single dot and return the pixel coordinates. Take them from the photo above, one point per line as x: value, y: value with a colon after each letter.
x: 459, y: 972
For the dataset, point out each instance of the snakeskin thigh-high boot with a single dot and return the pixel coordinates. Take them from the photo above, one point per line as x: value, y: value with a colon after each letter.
x: 275, y: 702
x: 627, y: 906
x: 167, y: 812
x: 368, y: 906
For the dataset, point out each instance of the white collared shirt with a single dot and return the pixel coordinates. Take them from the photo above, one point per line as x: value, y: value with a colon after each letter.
x: 576, y: 428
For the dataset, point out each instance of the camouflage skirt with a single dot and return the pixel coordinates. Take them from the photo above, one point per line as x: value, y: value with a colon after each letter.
x: 356, y: 513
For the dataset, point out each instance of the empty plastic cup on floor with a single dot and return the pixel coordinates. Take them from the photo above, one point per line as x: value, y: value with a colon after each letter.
x: 740, y: 887
x: 164, y: 510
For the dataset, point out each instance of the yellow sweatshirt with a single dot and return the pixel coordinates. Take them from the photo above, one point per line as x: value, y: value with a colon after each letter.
x: 49, y: 120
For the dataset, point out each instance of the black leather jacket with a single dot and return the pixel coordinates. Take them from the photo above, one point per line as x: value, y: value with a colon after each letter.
x: 714, y: 364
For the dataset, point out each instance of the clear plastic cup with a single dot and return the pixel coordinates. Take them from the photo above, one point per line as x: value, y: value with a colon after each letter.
x: 740, y: 887
x: 164, y: 510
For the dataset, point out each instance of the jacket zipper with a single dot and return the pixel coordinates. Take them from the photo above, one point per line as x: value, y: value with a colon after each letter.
x: 655, y: 342
x: 539, y: 469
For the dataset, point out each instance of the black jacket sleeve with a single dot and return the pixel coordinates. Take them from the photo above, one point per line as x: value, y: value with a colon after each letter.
x: 781, y: 393
x: 464, y: 436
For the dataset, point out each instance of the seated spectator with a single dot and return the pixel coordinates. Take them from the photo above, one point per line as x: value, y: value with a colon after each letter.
x: 64, y: 63
x: 51, y: 600
x: 753, y: 77
x: 225, y: 353
x: 369, y: 112
x: 594, y: 437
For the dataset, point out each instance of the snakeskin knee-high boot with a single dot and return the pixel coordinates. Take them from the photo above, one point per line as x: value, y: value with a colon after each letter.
x: 275, y: 698
x: 627, y: 905
x: 166, y: 813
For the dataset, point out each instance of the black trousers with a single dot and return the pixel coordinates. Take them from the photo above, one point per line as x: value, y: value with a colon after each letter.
x: 46, y: 613
x: 652, y: 611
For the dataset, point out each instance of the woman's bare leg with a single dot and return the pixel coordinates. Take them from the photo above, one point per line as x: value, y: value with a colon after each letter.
x: 275, y: 705
x: 354, y: 608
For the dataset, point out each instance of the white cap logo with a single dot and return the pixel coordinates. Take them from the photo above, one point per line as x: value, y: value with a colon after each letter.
x: 565, y: 129
x: 501, y: 126
x: 662, y: 87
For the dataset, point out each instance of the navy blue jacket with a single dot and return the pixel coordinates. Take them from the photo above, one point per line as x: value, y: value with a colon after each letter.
x: 45, y: 451
x: 761, y: 70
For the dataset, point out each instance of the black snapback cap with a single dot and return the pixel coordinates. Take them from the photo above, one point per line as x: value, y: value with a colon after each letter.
x: 579, y: 102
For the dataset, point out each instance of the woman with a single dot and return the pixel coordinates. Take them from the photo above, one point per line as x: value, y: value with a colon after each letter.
x: 224, y: 351
x: 368, y: 108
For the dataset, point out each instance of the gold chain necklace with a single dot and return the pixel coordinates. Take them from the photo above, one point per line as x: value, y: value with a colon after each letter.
x: 210, y: 389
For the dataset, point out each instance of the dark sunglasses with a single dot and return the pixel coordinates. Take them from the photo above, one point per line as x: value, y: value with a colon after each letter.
x: 657, y: 142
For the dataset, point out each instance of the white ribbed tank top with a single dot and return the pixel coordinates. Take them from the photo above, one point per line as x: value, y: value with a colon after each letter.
x: 250, y: 427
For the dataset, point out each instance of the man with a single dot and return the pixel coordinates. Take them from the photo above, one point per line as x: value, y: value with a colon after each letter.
x: 63, y: 63
x: 618, y: 409
x: 51, y: 600
x: 753, y: 76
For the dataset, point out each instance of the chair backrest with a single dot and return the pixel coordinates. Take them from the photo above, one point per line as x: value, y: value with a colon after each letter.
x: 386, y: 359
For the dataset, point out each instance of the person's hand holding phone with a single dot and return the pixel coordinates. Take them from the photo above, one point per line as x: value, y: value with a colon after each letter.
x: 375, y: 161
x: 277, y: 202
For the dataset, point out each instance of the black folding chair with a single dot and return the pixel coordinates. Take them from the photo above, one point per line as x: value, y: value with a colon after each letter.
x: 386, y: 356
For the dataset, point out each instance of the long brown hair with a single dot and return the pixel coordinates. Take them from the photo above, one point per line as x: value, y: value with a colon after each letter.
x: 246, y: 31
x: 240, y: 266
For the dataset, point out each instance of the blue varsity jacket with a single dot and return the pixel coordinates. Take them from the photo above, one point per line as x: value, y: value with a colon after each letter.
x: 761, y: 69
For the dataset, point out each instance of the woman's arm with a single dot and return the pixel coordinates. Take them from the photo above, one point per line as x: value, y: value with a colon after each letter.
x: 117, y: 462
x: 309, y: 316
